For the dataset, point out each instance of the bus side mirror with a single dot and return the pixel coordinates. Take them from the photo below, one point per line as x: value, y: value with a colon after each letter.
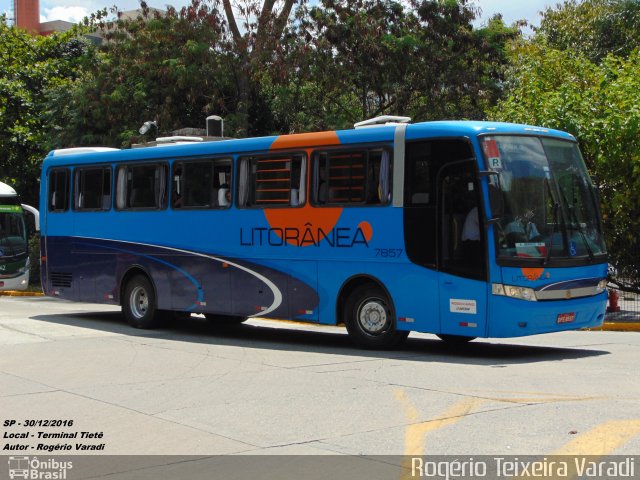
x: 32, y: 219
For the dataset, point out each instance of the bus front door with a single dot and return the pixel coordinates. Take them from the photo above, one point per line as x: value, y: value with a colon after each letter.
x: 461, y: 252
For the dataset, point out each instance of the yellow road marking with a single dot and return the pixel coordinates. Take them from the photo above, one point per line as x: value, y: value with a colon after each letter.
x: 415, y: 434
x: 602, y: 439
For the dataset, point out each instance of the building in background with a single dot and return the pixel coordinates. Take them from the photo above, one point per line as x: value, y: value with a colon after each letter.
x: 27, y: 17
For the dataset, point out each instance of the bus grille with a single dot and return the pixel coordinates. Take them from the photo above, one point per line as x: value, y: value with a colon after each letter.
x: 60, y: 279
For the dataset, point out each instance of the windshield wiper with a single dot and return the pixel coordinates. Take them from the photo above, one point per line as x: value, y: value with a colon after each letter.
x: 574, y: 220
x: 556, y: 206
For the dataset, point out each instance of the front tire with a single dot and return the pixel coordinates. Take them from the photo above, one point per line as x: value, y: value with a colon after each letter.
x: 139, y: 303
x: 370, y: 319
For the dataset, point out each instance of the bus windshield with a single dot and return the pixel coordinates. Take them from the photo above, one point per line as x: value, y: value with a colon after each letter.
x: 550, y: 209
x: 13, y: 234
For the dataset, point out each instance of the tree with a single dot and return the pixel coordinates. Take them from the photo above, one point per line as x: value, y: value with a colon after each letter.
x: 31, y: 70
x: 164, y: 66
x: 255, y: 48
x: 593, y: 28
x: 363, y: 58
x: 177, y: 67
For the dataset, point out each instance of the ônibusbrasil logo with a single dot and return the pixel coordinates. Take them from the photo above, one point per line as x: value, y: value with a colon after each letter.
x: 33, y: 468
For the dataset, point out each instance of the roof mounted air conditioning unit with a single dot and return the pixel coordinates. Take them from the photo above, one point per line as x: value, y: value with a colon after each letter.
x: 382, y: 121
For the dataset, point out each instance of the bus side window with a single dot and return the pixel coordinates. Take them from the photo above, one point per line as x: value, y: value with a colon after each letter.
x: 272, y: 181
x: 354, y: 177
x: 201, y: 184
x: 59, y: 190
x: 93, y: 188
x: 141, y: 187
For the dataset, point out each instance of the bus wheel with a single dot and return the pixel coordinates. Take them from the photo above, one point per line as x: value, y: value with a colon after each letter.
x: 139, y: 303
x: 455, y: 339
x: 369, y: 318
x: 224, y: 320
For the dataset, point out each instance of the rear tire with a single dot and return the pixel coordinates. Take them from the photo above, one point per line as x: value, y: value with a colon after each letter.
x: 224, y: 320
x: 139, y: 303
x: 370, y: 319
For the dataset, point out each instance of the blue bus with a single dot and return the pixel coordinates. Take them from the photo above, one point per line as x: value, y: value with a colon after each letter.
x: 461, y: 229
x: 14, y: 247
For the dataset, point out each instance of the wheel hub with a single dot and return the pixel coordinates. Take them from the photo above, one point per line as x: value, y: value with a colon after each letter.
x: 139, y: 302
x: 372, y: 317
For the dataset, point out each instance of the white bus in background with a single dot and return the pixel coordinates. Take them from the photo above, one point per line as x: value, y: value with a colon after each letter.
x: 14, y: 249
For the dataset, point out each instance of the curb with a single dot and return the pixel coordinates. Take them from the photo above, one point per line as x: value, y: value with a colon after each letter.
x: 616, y: 327
x: 13, y: 293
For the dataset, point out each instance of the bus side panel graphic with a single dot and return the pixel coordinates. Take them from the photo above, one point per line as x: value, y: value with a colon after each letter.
x: 86, y: 269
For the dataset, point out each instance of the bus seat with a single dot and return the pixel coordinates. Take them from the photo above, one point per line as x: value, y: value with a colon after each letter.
x: 322, y: 193
x: 294, y: 197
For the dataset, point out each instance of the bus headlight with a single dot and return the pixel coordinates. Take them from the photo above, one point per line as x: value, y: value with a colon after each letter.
x: 602, y: 285
x: 522, y: 293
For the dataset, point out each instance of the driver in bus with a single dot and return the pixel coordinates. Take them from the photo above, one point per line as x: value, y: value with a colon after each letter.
x: 522, y: 227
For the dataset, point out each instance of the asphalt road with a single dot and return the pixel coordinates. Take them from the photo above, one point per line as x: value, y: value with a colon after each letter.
x: 283, y: 388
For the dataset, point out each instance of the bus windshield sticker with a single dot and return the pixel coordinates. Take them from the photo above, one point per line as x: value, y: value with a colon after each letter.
x: 457, y: 305
x: 492, y: 152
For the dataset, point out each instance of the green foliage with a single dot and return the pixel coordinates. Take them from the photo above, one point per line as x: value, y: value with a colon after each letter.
x: 363, y: 58
x: 34, y: 260
x: 593, y: 28
x: 32, y: 69
x: 154, y: 67
x: 288, y: 70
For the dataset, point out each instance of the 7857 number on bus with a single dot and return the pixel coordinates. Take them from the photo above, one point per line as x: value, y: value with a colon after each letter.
x: 389, y: 252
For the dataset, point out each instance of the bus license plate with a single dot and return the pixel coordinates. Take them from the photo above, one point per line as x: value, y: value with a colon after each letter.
x: 566, y: 318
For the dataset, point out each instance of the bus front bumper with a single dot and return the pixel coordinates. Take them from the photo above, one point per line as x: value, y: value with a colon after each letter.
x: 511, y: 317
